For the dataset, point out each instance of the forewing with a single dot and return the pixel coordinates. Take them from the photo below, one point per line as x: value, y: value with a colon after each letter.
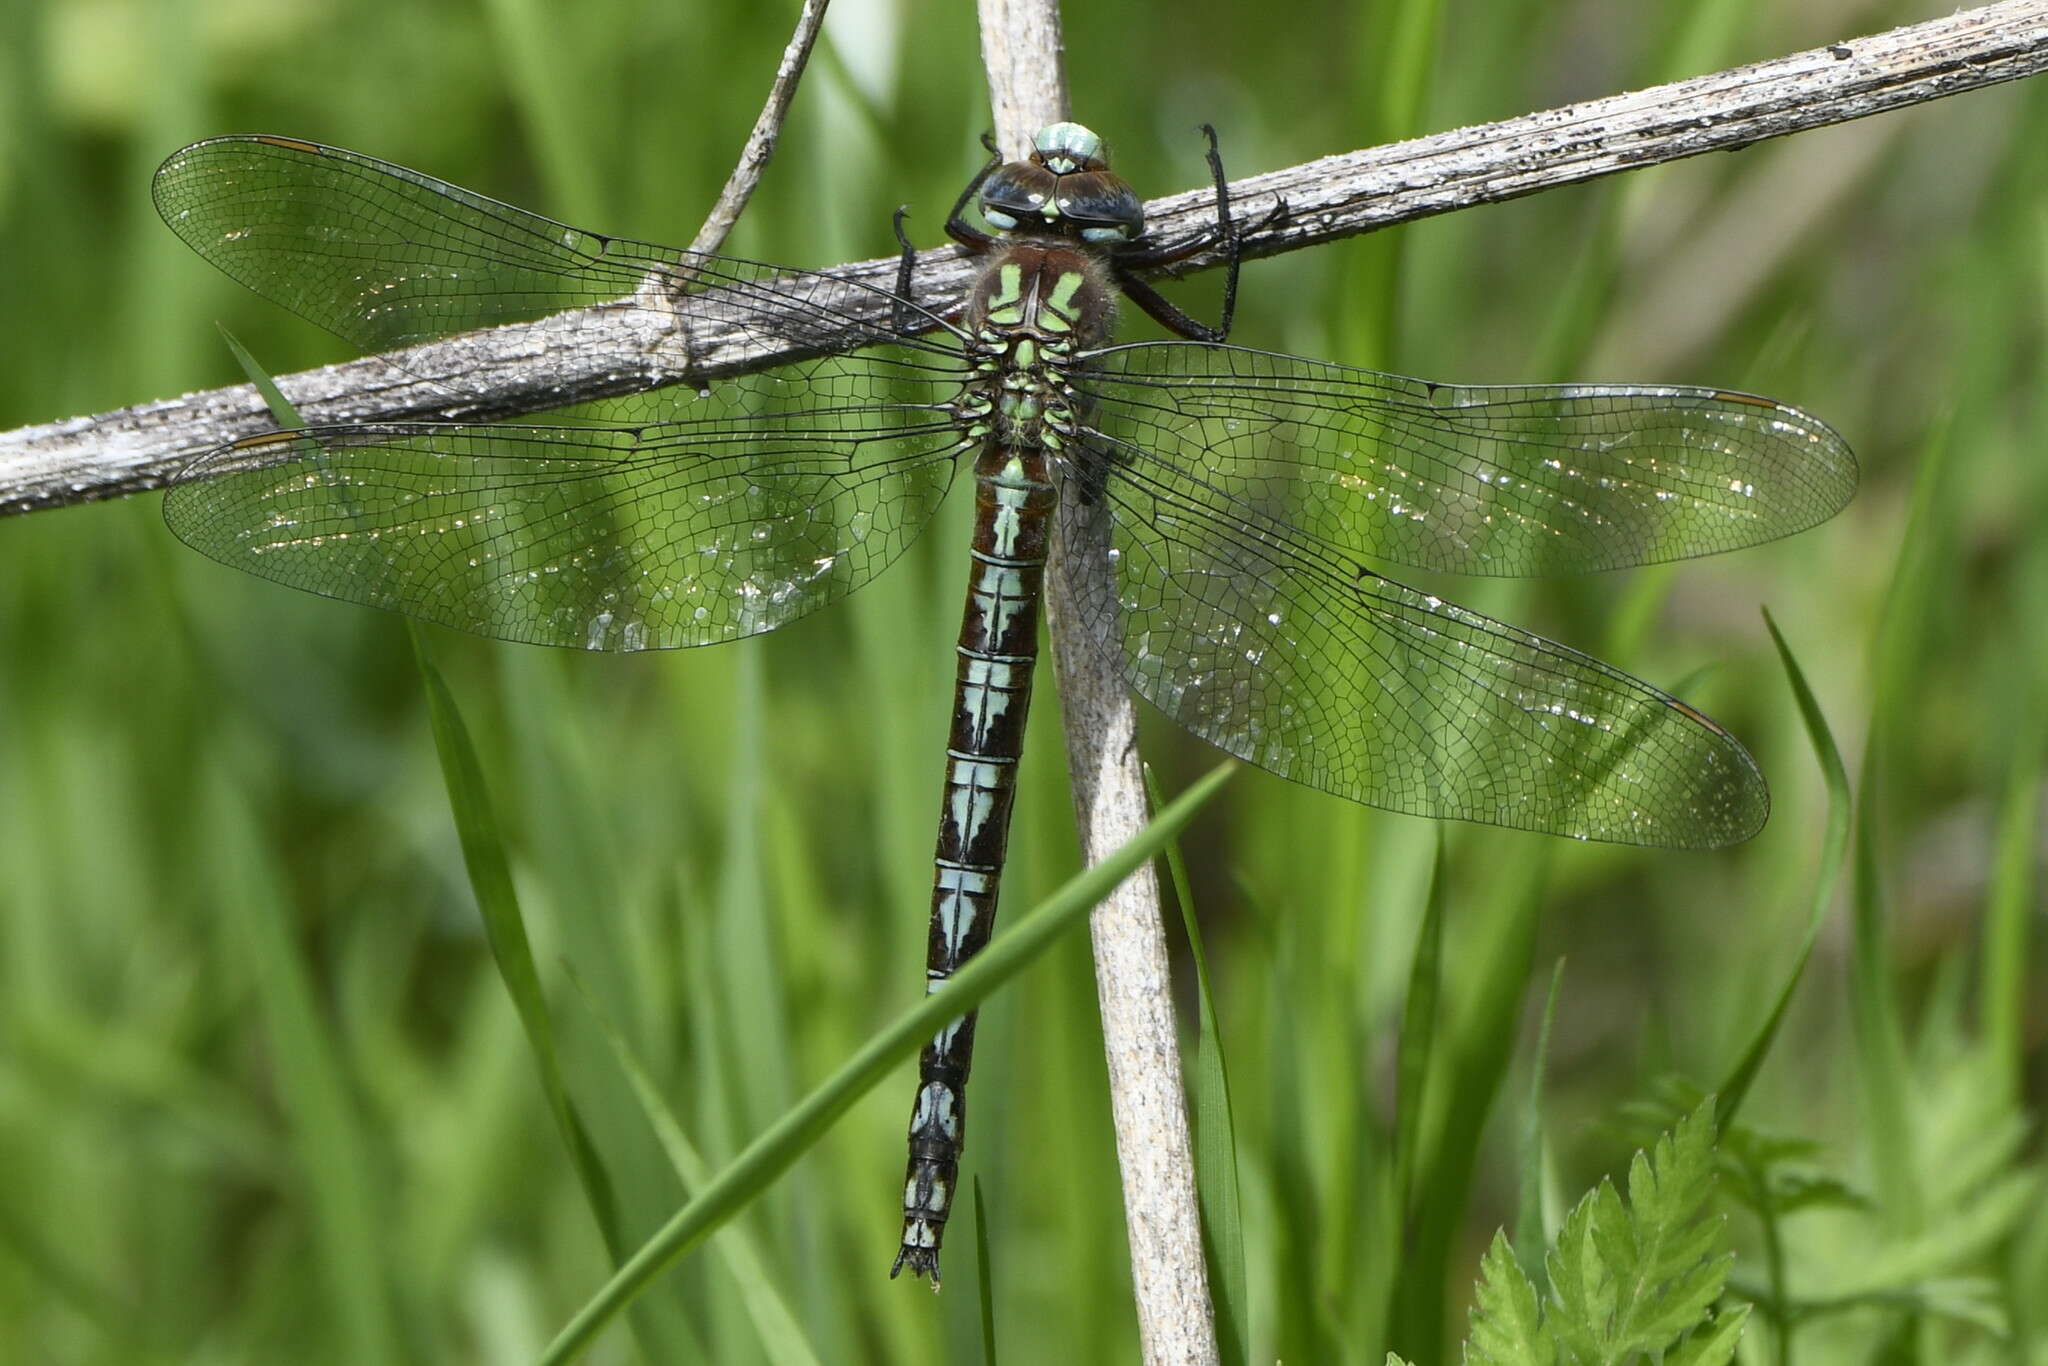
x: 763, y: 500
x: 384, y: 256
x: 1289, y: 653
x: 1531, y: 479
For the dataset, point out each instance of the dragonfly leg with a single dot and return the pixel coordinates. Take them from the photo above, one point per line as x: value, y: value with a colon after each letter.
x: 1144, y: 255
x: 902, y: 316
x: 1168, y: 315
x: 1168, y: 253
x: 905, y: 315
x: 957, y: 226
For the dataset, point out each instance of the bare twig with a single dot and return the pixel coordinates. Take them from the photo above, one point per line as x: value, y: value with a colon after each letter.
x: 595, y: 353
x: 1026, y: 60
x: 1020, y: 45
x: 739, y: 187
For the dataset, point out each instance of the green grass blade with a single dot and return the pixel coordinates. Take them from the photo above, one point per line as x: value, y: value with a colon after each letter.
x: 1479, y: 1044
x: 281, y: 410
x: 1834, y: 850
x: 781, y: 1336
x: 532, y: 60
x: 2009, y: 906
x: 1216, y: 1185
x: 1418, y: 1033
x: 50, y: 1268
x: 1902, y: 639
x: 1530, y: 1238
x: 490, y: 879
x: 984, y: 1282
x: 1403, y: 42
x: 349, y: 1219
x: 791, y: 1135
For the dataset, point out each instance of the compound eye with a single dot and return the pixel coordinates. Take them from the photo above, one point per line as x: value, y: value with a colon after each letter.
x: 1105, y: 208
x: 1016, y: 192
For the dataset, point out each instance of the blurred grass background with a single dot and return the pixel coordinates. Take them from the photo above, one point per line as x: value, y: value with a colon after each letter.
x: 262, y: 1095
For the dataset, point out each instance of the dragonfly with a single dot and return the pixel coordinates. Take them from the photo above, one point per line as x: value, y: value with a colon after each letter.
x: 1246, y: 501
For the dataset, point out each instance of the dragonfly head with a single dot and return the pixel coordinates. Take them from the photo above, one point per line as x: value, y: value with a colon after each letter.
x: 1064, y: 188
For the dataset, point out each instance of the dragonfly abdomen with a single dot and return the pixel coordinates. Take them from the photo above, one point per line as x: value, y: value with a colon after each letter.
x: 1033, y: 307
x: 1014, y: 504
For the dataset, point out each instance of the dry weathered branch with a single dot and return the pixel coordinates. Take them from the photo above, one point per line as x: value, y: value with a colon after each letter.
x: 739, y: 186
x: 589, y: 354
x: 1020, y: 44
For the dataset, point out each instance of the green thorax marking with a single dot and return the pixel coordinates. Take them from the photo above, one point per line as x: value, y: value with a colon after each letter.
x: 1006, y: 309
x: 1056, y: 313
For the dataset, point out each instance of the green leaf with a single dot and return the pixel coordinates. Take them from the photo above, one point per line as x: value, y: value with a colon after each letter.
x: 490, y: 881
x: 1634, y: 1278
x: 1714, y: 1344
x: 1507, y: 1319
x: 1794, y: 1191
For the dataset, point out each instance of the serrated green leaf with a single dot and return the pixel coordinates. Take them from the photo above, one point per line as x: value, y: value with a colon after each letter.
x: 1632, y: 1278
x: 1507, y: 1320
x: 1672, y: 1275
x: 1965, y: 1230
x: 1762, y: 1148
x: 1975, y: 1300
x: 1713, y: 1345
x: 1579, y: 1287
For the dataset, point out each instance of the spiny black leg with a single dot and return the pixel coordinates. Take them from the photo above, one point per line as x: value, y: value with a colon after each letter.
x: 907, y: 316
x: 1165, y: 313
x: 1143, y: 256
x: 1215, y: 159
x: 957, y: 226
x: 901, y: 312
x: 1149, y: 299
x: 1233, y: 245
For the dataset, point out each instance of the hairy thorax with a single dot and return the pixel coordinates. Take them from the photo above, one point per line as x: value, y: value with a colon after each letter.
x: 1034, y: 307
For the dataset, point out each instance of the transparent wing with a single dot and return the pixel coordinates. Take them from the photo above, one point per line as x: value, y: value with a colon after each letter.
x: 761, y: 501
x: 1523, y: 480
x: 1286, y: 651
x: 384, y: 257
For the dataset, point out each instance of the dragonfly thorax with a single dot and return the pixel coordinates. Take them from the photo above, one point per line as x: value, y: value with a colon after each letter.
x: 1035, y: 305
x: 1064, y: 188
